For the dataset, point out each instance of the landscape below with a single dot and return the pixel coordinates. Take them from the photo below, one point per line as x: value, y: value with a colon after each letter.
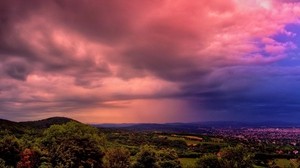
x: 63, y: 142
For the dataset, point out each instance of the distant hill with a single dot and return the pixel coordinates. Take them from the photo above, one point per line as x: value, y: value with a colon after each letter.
x: 13, y: 127
x: 45, y: 123
x: 168, y: 127
x: 112, y: 125
x: 195, y: 127
x: 171, y: 127
x: 198, y: 127
x: 21, y: 127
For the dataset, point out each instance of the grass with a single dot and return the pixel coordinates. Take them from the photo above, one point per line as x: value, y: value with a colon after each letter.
x: 188, y: 141
x: 188, y: 162
x: 215, y: 141
x: 286, y: 162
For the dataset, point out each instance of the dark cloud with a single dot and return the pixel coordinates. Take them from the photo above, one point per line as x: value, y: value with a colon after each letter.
x: 64, y: 56
x: 263, y: 98
x: 17, y: 69
x: 164, y: 61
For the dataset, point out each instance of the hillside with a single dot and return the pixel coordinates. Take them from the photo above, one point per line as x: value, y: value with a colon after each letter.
x: 45, y: 123
x: 12, y: 127
x: 22, y: 127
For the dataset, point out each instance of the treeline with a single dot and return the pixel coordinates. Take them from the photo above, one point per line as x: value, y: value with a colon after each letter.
x: 69, y: 145
x: 74, y: 145
x: 77, y: 145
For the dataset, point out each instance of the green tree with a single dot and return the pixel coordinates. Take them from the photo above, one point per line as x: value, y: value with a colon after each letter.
x: 168, y: 158
x: 146, y: 158
x: 9, y: 150
x: 208, y: 161
x: 117, y: 158
x: 236, y: 157
x: 74, y: 145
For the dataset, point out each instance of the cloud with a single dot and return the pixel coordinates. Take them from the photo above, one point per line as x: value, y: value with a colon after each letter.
x: 63, y: 56
x: 17, y: 69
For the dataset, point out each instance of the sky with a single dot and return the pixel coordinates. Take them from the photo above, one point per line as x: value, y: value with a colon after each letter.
x: 157, y: 61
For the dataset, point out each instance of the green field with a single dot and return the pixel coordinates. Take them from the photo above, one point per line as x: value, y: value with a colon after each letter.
x: 188, y: 162
x: 286, y: 163
x: 188, y: 141
x: 215, y: 141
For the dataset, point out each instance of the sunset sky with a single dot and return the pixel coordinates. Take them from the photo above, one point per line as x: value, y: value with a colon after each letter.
x: 124, y: 61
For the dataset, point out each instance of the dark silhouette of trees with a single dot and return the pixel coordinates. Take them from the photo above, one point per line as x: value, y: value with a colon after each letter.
x: 10, y: 150
x: 2, y: 163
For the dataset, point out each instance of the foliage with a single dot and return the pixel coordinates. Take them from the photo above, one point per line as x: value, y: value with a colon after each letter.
x: 45, y: 145
x: 145, y: 138
x: 9, y: 150
x: 28, y: 159
x: 208, y: 148
x: 73, y: 145
x: 168, y: 158
x: 146, y: 158
x: 117, y: 158
x: 2, y: 163
x: 208, y: 161
x: 236, y: 157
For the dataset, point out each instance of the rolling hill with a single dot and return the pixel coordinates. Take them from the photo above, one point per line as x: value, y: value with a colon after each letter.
x: 22, y: 127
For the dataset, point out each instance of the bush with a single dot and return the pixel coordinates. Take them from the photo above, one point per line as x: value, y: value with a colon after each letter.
x: 146, y: 158
x: 117, y: 158
x: 208, y: 161
x: 236, y: 157
x: 168, y: 158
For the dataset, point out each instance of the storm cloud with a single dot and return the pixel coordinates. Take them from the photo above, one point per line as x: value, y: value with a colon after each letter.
x: 131, y: 61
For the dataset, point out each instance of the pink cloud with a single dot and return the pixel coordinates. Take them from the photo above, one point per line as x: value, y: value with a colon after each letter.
x: 82, y: 55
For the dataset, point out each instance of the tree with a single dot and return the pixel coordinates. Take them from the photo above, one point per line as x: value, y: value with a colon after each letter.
x: 2, y: 163
x: 74, y: 145
x: 26, y: 159
x: 146, y: 158
x: 117, y: 158
x: 9, y: 150
x: 208, y: 161
x: 236, y: 157
x: 168, y: 158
